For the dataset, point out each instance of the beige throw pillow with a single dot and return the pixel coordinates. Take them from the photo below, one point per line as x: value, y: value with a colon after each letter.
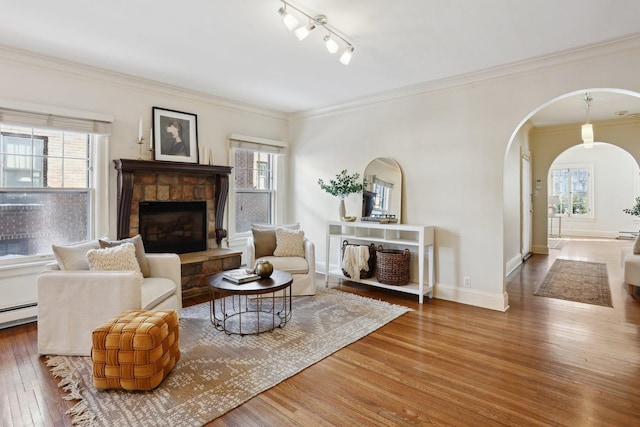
x: 117, y: 258
x: 289, y: 242
x: 141, y: 256
x: 264, y: 242
x: 636, y: 245
x: 74, y: 256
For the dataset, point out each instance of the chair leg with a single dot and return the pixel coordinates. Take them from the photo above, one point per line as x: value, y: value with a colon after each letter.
x: 630, y: 286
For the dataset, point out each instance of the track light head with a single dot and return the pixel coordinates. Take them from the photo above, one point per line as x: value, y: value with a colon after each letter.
x: 302, y: 32
x: 289, y: 20
x: 346, y: 56
x: 332, y: 46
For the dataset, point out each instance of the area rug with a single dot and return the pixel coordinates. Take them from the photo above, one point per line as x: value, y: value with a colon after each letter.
x: 553, y: 243
x: 579, y: 281
x: 218, y: 372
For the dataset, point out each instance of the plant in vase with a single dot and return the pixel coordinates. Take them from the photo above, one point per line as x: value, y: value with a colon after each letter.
x: 342, y: 186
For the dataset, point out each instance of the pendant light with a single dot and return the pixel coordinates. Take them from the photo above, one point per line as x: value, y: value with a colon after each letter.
x: 587, y: 128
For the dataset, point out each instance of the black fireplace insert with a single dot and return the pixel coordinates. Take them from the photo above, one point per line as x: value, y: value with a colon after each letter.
x: 178, y: 227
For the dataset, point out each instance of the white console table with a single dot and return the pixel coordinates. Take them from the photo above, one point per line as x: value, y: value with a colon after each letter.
x: 418, y: 239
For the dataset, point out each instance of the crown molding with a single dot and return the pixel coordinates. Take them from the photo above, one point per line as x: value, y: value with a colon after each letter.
x: 630, y: 43
x: 90, y: 73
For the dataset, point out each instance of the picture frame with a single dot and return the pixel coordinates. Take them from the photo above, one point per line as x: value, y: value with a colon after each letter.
x: 175, y: 135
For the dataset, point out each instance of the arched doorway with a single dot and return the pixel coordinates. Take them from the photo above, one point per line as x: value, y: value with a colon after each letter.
x: 543, y: 135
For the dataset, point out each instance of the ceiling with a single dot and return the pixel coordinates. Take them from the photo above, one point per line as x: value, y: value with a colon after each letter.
x: 240, y: 49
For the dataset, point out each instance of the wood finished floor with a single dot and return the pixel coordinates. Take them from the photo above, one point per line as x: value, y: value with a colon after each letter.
x: 543, y: 362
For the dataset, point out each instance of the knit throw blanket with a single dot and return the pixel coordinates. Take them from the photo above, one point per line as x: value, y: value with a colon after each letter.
x: 355, y: 259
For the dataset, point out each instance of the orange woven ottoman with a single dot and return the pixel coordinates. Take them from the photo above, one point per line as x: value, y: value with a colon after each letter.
x: 136, y: 350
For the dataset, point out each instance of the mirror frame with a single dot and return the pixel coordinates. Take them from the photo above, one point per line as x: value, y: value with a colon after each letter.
x: 392, y: 174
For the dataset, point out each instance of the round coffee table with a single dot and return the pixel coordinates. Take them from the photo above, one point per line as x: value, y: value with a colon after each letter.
x: 245, y: 308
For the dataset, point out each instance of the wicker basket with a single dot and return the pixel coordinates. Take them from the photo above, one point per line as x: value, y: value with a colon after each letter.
x: 393, y: 266
x: 372, y: 260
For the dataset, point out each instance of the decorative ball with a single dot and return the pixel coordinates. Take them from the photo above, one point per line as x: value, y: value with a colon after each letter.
x: 264, y: 269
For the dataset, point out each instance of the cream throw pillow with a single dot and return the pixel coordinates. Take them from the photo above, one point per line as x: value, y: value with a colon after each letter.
x: 117, y: 258
x: 141, y: 256
x: 289, y: 242
x: 74, y: 256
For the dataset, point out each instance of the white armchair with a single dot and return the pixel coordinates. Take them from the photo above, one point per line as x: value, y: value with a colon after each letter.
x: 260, y: 246
x: 72, y: 303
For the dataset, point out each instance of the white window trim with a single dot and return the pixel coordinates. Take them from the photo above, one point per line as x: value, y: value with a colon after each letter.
x: 267, y: 145
x: 96, y: 124
x: 591, y: 215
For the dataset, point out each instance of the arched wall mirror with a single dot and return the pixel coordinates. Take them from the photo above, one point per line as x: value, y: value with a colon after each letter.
x: 382, y: 195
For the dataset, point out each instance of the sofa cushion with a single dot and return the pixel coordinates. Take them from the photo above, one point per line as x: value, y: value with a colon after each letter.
x: 291, y: 264
x: 74, y: 256
x: 155, y: 290
x: 117, y: 258
x: 141, y: 256
x: 289, y: 243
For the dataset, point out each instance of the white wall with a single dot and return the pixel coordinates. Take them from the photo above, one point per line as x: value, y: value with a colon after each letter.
x: 450, y: 140
x: 35, y: 79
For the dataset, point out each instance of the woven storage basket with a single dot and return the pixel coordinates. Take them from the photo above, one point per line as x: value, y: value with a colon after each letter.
x: 372, y: 260
x: 393, y: 266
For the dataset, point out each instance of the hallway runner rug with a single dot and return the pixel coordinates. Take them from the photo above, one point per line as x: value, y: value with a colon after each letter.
x: 579, y: 281
x: 218, y: 372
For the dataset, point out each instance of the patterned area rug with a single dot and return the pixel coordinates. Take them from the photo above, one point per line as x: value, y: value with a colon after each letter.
x: 579, y: 281
x: 218, y: 372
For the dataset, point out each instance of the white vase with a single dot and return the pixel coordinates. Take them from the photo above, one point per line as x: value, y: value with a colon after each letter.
x: 342, y: 211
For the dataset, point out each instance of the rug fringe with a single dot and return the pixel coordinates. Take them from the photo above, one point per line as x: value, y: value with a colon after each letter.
x: 81, y: 416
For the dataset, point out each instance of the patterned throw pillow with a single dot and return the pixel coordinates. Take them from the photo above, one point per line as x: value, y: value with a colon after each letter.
x: 289, y: 242
x: 141, y: 256
x: 117, y: 258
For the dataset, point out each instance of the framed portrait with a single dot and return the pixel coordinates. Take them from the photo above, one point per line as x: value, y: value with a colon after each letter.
x: 175, y: 136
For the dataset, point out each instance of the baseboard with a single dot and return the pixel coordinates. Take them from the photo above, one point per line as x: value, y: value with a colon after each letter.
x: 499, y: 302
x: 513, y: 263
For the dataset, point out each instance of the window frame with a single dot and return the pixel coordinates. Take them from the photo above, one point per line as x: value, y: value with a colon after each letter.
x: 590, y: 215
x: 280, y: 151
x: 97, y: 188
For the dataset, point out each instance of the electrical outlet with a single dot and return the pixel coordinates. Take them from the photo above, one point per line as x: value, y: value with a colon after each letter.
x: 467, y: 282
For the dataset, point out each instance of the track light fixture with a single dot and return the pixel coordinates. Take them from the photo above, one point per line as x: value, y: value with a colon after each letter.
x: 587, y: 128
x: 303, y: 31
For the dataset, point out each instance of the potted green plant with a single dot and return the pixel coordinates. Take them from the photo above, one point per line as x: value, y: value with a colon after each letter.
x: 342, y: 186
x: 635, y: 210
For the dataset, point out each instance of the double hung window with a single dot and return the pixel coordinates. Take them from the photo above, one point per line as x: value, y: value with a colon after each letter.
x: 573, y: 188
x: 47, y: 186
x: 256, y: 183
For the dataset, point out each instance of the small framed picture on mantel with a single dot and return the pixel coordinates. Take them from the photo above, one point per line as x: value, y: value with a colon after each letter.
x: 175, y: 136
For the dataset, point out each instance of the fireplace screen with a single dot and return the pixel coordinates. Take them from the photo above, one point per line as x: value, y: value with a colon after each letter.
x: 177, y: 227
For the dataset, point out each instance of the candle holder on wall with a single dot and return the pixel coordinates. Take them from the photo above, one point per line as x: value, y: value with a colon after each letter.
x: 150, y: 153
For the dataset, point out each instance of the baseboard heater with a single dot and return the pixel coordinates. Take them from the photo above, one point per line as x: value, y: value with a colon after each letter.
x: 18, y: 321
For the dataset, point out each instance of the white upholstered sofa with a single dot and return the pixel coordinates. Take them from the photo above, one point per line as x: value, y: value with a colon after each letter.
x: 631, y: 265
x: 74, y: 301
x: 261, y: 245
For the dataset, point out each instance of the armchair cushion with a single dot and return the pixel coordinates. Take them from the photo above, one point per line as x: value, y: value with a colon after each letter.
x: 289, y: 243
x: 140, y: 253
x: 118, y: 258
x: 74, y: 256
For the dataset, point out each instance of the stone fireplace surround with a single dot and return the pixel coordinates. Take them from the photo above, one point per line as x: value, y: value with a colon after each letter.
x: 145, y: 180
